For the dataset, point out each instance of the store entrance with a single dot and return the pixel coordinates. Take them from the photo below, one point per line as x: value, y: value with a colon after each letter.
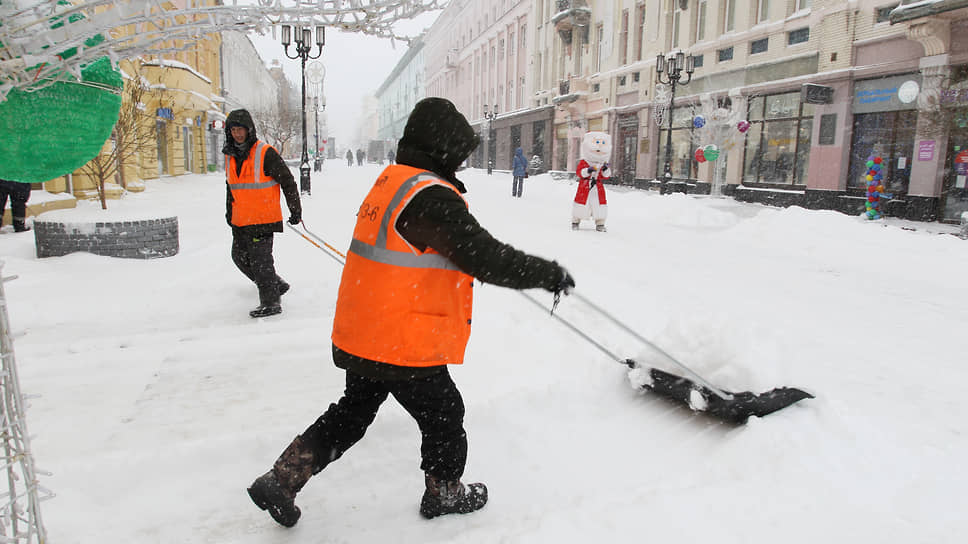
x: 954, y: 193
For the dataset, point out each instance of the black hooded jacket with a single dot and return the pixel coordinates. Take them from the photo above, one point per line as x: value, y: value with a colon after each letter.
x: 438, y: 138
x: 273, y: 166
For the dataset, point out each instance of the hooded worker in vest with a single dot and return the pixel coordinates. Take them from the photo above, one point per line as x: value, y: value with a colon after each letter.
x: 403, y: 314
x: 255, y: 174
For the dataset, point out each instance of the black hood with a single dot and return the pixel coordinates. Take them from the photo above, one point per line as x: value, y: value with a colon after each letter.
x: 437, y: 138
x: 239, y: 118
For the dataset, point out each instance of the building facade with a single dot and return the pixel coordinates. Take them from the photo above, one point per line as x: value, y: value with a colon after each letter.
x: 818, y: 87
x: 401, y: 90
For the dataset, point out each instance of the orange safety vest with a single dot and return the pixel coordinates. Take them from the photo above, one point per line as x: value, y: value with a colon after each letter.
x: 397, y: 304
x: 255, y: 197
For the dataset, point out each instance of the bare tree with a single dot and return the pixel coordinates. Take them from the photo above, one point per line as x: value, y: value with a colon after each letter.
x: 132, y: 135
x: 278, y: 128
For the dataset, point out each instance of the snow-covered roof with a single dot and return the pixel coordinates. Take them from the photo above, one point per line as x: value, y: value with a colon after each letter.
x: 924, y: 8
x: 176, y: 64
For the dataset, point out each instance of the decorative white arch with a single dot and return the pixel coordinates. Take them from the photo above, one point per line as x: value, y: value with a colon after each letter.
x: 34, y: 33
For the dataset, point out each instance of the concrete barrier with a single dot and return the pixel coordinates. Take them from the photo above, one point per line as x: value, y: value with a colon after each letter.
x: 142, y: 239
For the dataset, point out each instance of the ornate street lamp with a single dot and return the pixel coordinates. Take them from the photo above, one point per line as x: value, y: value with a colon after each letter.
x: 488, y: 118
x: 304, y: 37
x: 672, y: 66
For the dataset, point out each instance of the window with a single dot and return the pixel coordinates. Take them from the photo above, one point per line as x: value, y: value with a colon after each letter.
x: 762, y: 11
x: 600, y: 54
x: 800, y: 35
x: 500, y: 48
x: 759, y: 46
x: 802, y: 5
x: 624, y: 39
x: 635, y: 77
x: 621, y: 81
x: 511, y: 43
x: 639, y: 29
x: 523, y: 34
x: 701, y: 21
x: 596, y: 87
x: 778, y: 141
x: 729, y: 15
x: 676, y: 19
x: 883, y: 15
x: 697, y: 61
x: 725, y: 54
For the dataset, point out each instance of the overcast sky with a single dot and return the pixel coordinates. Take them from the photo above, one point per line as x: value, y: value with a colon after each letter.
x: 356, y: 65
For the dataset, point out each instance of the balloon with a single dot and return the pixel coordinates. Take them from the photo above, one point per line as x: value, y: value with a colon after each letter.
x: 699, y: 121
x: 743, y: 126
x: 699, y: 156
x: 870, y: 178
x: 878, y: 160
x: 870, y: 163
x: 880, y: 188
x: 711, y: 152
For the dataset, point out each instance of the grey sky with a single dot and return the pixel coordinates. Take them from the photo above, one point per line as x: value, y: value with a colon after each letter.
x: 356, y: 65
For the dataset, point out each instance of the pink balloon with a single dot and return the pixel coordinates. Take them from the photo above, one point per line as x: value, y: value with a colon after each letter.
x: 743, y: 126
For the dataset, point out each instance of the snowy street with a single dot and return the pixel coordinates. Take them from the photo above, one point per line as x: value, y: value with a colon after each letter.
x: 160, y: 399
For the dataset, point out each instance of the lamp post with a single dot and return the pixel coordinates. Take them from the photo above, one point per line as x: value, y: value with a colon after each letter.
x: 488, y: 118
x: 672, y: 66
x: 303, y: 48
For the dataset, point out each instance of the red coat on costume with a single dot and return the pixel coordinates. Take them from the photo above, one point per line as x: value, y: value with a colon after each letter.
x: 595, y: 207
x: 584, y: 183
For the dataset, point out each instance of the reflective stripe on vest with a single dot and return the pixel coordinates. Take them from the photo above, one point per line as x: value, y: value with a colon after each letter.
x: 397, y: 304
x: 255, y: 197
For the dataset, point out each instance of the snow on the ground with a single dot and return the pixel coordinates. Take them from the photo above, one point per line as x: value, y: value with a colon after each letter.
x: 160, y: 399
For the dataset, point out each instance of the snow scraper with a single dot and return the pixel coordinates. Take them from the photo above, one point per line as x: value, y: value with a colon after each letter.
x: 693, y: 391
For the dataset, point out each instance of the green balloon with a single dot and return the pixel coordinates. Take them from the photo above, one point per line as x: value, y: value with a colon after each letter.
x: 711, y: 153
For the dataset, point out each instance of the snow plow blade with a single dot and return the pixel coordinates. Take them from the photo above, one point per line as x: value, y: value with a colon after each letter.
x: 733, y: 407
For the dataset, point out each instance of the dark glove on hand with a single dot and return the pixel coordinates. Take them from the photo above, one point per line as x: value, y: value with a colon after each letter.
x: 564, y: 282
x: 295, y: 218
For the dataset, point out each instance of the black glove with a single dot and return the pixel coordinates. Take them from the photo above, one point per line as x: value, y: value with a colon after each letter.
x: 295, y: 218
x: 563, y: 283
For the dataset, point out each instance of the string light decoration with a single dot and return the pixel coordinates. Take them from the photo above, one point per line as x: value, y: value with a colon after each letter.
x: 34, y: 34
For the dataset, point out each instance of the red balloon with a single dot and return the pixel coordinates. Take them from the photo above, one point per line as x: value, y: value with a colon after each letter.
x: 700, y: 157
x: 878, y: 160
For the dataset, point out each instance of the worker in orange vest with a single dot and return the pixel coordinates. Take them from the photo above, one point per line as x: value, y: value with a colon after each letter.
x: 403, y: 314
x: 255, y: 174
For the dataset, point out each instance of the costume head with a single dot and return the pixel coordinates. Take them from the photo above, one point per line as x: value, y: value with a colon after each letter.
x: 596, y: 148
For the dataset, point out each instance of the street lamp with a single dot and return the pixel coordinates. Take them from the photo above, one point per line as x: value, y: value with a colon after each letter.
x: 488, y: 118
x: 304, y: 37
x: 672, y: 66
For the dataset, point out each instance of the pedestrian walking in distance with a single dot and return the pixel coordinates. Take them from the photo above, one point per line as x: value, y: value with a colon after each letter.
x: 255, y: 174
x: 403, y: 314
x: 519, y: 169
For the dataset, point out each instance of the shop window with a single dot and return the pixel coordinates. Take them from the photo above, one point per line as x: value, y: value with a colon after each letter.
x: 778, y: 142
x: 759, y: 46
x: 725, y: 54
x: 800, y: 35
x: 890, y: 135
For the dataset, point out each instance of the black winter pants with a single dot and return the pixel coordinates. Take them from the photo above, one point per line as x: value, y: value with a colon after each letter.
x: 433, y: 401
x: 518, y: 186
x: 253, y: 256
x: 19, y: 194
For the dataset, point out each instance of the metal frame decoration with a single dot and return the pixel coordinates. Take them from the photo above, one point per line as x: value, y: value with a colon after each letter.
x: 36, y: 35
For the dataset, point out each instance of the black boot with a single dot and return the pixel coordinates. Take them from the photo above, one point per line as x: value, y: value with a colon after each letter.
x: 269, y: 299
x: 275, y: 491
x: 265, y: 310
x: 283, y: 287
x: 20, y: 225
x: 451, y: 497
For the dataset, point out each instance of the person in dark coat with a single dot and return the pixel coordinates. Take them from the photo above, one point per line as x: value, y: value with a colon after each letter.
x: 519, y: 169
x: 445, y: 241
x: 359, y: 157
x: 252, y: 242
x: 390, y: 156
x: 349, y: 157
x: 19, y: 194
